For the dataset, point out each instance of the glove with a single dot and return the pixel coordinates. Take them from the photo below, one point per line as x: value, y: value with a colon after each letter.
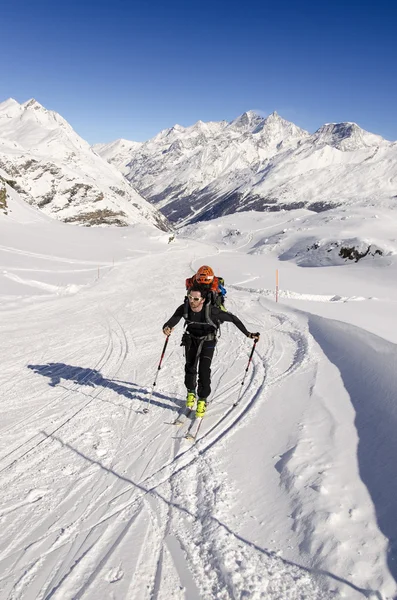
x: 167, y: 330
x: 254, y: 336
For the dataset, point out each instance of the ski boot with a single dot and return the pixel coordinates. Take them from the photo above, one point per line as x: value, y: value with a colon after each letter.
x: 201, y: 407
x: 190, y: 399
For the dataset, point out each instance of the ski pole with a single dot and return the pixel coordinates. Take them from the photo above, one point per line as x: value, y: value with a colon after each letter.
x: 146, y: 409
x: 245, y: 374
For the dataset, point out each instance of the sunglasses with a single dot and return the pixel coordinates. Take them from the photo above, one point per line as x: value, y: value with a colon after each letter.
x: 195, y: 298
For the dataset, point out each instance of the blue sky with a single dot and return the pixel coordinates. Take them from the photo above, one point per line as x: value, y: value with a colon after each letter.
x: 129, y: 69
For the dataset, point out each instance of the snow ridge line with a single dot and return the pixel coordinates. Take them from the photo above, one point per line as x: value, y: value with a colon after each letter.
x: 288, y: 294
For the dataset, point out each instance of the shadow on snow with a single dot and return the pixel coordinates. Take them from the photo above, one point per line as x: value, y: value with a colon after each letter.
x: 367, y: 364
x: 93, y: 378
x: 153, y: 491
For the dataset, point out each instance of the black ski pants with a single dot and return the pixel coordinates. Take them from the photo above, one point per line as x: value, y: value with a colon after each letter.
x: 198, y: 360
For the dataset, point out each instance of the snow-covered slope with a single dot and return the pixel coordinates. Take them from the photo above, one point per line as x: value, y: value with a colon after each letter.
x: 291, y: 495
x: 57, y: 171
x: 213, y: 169
x: 117, y: 152
x: 339, y: 236
x: 41, y: 257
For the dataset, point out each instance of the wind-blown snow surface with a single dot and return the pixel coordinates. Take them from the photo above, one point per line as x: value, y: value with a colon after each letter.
x: 291, y: 495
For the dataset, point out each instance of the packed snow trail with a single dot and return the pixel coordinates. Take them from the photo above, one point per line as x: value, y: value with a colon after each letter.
x: 114, y: 502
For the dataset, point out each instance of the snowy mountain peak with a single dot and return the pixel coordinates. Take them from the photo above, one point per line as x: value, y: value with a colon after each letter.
x: 9, y: 103
x: 274, y: 130
x: 35, y: 128
x: 167, y: 134
x: 9, y: 108
x: 116, y: 146
x: 345, y: 136
x: 34, y: 105
x: 175, y: 129
x: 56, y: 170
x: 274, y: 120
x: 248, y: 121
x: 253, y: 163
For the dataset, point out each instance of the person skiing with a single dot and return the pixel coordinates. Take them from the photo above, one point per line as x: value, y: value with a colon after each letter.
x: 202, y: 320
x: 206, y: 278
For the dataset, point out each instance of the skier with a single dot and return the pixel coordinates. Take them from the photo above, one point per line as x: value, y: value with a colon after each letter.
x: 202, y: 320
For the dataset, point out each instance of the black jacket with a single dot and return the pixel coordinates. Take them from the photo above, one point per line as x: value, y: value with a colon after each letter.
x: 197, y: 322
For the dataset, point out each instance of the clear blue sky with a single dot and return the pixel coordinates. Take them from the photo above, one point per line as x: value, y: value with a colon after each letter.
x: 131, y: 68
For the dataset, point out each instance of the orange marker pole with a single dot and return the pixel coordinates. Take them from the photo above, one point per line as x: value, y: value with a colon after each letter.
x: 276, y: 285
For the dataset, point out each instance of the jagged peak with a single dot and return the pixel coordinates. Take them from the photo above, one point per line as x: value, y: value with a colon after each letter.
x: 197, y: 125
x: 174, y: 129
x: 33, y: 104
x: 346, y: 135
x: 165, y: 134
x: 247, y: 115
x: 274, y: 115
x: 206, y: 125
x: 252, y: 114
x: 274, y: 124
x: 346, y: 126
x: 248, y: 120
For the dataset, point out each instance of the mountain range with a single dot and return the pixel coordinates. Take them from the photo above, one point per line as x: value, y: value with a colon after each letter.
x: 253, y: 163
x: 188, y: 174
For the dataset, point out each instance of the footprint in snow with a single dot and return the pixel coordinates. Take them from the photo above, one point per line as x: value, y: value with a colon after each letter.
x: 115, y: 574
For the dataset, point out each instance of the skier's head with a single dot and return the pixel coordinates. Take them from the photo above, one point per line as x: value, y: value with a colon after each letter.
x: 205, y: 275
x: 196, y: 298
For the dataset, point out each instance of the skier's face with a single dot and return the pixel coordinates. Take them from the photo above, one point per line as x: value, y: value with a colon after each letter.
x: 195, y: 301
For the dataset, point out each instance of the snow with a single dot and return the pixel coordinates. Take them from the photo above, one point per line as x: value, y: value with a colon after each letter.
x: 254, y: 163
x: 291, y: 495
x: 116, y: 151
x: 58, y: 171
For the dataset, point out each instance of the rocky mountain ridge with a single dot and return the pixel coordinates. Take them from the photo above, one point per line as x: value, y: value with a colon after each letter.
x: 53, y: 168
x: 254, y: 163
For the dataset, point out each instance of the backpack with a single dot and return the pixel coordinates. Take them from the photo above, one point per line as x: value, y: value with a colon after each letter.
x: 216, y: 287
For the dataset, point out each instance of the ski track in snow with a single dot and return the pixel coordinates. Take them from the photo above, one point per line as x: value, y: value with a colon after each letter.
x: 118, y: 483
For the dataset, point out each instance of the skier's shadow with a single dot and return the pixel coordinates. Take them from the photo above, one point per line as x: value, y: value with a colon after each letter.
x: 93, y: 378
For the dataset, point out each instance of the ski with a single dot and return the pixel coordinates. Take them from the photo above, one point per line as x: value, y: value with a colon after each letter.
x: 183, y: 415
x: 193, y: 429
